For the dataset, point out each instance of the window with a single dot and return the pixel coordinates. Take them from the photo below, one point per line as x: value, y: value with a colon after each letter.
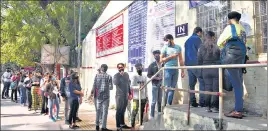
x: 260, y: 18
x: 212, y: 16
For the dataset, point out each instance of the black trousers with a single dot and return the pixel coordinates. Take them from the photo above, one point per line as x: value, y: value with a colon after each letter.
x: 44, y: 103
x: 121, y: 106
x: 211, y: 79
x: 135, y: 110
x: 74, y: 105
x: 5, y: 92
x: 29, y: 97
x: 14, y: 92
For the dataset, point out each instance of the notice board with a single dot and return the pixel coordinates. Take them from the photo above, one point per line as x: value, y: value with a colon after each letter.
x: 109, y: 37
x: 137, y: 27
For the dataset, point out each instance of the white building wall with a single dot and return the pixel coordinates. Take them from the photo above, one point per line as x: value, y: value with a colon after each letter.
x: 255, y: 79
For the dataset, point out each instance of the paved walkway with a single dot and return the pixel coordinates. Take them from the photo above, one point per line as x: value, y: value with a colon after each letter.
x: 16, y: 117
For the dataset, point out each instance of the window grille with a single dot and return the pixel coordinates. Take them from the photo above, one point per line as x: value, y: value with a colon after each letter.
x: 260, y: 18
x: 212, y: 16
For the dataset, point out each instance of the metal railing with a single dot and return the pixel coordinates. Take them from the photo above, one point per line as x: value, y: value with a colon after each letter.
x: 220, y: 93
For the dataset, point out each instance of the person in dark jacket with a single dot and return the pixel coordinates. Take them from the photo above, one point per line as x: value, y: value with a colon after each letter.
x: 156, y: 82
x: 191, y: 48
x: 209, y: 54
x: 65, y: 94
x: 122, y: 82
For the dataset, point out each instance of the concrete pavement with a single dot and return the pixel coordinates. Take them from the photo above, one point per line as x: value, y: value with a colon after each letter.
x: 16, y: 117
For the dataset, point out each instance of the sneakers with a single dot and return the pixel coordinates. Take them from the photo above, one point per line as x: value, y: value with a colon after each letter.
x: 59, y: 118
x: 234, y: 114
x: 67, y: 122
x: 53, y: 119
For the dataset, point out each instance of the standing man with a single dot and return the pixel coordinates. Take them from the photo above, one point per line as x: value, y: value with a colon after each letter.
x: 65, y: 94
x: 122, y: 82
x: 43, y: 83
x: 156, y: 82
x: 93, y: 95
x: 6, y: 79
x: 169, y: 56
x: 191, y: 48
x: 138, y: 81
x: 233, y: 39
x: 102, y: 84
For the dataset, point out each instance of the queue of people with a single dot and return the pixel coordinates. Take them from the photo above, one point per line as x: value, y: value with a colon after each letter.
x: 43, y: 91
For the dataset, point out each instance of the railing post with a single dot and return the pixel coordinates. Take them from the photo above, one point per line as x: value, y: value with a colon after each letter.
x: 220, y: 98
x: 163, y: 91
x: 140, y: 107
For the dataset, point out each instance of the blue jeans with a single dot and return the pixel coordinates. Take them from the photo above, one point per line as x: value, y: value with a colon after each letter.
x: 23, y: 95
x: 193, y: 75
x: 51, y: 102
x: 171, y: 79
x: 236, y: 79
x: 156, y: 97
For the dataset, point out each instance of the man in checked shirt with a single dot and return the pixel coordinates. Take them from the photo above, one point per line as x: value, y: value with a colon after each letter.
x: 102, y: 85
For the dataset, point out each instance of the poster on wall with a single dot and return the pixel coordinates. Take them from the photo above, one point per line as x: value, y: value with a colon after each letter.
x: 109, y: 37
x: 137, y: 26
x: 195, y: 3
x: 161, y: 21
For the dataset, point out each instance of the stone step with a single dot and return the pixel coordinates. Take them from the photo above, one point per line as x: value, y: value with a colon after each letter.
x: 175, y: 118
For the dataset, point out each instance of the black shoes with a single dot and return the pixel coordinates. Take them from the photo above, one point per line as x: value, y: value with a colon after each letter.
x: 194, y: 105
x: 105, y: 129
x: 97, y: 128
x: 78, y: 119
x: 125, y: 127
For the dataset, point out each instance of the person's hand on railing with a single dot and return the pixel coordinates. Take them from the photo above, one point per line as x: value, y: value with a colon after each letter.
x: 182, y: 74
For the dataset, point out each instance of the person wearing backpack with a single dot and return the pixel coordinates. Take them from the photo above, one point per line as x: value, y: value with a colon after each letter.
x: 233, y: 42
x: 28, y: 84
x: 6, y: 79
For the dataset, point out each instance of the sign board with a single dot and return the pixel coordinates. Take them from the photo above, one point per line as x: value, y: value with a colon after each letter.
x: 63, y: 55
x: 137, y: 26
x: 109, y: 37
x: 47, y: 54
x: 161, y: 21
x: 181, y: 30
x: 195, y: 3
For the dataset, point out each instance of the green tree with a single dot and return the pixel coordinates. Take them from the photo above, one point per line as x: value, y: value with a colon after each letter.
x: 27, y: 25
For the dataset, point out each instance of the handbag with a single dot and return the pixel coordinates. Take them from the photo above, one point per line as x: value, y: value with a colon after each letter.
x: 13, y: 85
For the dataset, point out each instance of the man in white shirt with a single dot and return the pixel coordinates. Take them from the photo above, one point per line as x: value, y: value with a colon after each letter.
x: 137, y: 82
x: 6, y: 79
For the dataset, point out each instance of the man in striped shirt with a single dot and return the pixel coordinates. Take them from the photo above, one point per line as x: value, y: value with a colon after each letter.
x: 102, y: 86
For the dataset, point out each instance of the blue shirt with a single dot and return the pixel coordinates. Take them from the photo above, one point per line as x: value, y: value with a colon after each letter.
x: 73, y: 87
x: 191, y: 48
x: 170, y: 50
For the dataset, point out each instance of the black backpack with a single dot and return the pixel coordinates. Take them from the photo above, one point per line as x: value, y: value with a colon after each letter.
x: 234, y: 52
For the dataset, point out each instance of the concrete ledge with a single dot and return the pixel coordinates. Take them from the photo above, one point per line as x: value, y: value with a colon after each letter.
x: 175, y: 118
